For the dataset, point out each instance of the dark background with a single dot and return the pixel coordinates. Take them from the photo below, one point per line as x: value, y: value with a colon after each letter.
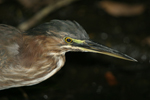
x: 89, y: 76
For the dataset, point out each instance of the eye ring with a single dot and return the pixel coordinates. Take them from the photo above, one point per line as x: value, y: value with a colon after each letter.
x: 68, y: 40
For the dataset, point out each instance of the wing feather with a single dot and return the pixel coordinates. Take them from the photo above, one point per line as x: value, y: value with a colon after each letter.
x: 10, y: 40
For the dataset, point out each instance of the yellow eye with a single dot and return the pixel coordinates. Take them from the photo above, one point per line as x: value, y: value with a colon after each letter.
x: 68, y: 40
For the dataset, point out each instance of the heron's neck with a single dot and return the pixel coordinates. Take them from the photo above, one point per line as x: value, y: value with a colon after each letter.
x: 35, y: 56
x: 36, y: 50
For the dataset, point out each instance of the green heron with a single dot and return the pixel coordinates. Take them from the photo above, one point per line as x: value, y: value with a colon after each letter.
x: 34, y: 56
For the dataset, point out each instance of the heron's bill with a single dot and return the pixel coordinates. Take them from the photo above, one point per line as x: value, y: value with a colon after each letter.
x: 89, y: 46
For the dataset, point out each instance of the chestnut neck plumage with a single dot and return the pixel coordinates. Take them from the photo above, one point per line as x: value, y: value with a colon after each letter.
x: 33, y: 55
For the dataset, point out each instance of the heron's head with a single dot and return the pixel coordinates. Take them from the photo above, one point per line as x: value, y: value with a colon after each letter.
x: 64, y: 35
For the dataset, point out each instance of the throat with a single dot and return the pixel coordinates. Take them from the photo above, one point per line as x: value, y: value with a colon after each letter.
x: 43, y: 69
x: 53, y: 68
x: 44, y: 72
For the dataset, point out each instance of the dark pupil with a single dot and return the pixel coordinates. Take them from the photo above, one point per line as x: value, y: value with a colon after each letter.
x: 69, y: 40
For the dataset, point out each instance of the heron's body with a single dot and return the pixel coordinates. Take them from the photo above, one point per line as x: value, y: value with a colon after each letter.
x: 24, y: 54
x: 31, y: 57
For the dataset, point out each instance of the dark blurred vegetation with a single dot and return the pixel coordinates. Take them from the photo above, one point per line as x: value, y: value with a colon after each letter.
x: 88, y: 76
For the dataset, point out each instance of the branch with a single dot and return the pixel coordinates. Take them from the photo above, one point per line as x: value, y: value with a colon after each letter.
x: 43, y: 13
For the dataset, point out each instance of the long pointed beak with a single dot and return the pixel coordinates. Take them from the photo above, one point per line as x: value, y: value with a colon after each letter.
x: 89, y: 46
